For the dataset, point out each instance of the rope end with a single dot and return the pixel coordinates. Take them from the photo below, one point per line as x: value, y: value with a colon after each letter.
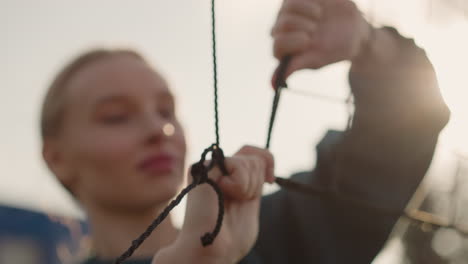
x: 279, y: 80
x: 207, y: 239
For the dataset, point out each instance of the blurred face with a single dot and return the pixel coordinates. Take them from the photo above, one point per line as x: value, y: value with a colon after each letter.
x: 121, y: 145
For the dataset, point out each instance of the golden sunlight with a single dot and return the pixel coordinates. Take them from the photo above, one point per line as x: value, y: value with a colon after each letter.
x: 446, y: 46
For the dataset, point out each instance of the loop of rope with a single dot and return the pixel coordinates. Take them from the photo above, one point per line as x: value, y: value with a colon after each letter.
x: 208, y: 238
x: 200, y: 173
x: 200, y: 176
x: 218, y: 160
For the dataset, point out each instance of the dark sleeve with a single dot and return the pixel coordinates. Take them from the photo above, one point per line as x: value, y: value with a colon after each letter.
x: 399, y: 113
x: 379, y: 161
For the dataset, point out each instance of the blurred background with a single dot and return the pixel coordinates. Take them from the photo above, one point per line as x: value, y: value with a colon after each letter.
x: 39, y: 222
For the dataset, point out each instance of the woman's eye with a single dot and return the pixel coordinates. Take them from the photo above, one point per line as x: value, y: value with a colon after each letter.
x: 114, y: 119
x: 167, y: 113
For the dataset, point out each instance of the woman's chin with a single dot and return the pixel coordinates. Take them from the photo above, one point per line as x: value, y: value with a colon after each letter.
x: 162, y: 192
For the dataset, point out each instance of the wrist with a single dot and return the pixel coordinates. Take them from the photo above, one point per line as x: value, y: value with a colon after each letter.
x: 379, y: 50
x: 367, y: 43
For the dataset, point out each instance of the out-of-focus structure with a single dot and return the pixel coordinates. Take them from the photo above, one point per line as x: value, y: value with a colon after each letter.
x: 28, y: 237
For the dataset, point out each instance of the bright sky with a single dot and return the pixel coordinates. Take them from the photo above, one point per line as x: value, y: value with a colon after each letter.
x: 38, y: 37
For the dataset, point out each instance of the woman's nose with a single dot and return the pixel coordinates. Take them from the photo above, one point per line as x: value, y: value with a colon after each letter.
x: 158, y: 128
x: 168, y: 129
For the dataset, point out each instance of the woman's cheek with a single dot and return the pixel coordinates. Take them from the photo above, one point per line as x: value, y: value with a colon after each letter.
x: 116, y: 149
x: 180, y: 139
x: 108, y: 149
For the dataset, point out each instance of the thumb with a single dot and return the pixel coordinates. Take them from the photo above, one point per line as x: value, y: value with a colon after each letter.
x: 309, y: 60
x: 279, y: 75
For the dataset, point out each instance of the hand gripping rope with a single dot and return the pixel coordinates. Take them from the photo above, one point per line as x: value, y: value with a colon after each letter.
x: 414, y: 216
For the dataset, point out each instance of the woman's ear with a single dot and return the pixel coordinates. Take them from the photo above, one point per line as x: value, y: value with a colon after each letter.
x: 55, y: 160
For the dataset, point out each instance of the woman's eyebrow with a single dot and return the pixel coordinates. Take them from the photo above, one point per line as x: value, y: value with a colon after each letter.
x: 110, y: 99
x: 164, y: 96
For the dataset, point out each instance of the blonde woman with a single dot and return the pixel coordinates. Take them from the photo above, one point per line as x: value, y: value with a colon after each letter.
x: 112, y: 139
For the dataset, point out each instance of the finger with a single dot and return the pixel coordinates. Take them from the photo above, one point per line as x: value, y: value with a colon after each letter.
x: 231, y: 189
x: 290, y: 23
x: 291, y: 43
x: 235, y: 188
x: 257, y: 176
x: 306, y: 8
x: 214, y: 173
x: 310, y: 60
x: 249, y: 177
x: 236, y: 183
x: 267, y: 157
x: 246, y: 178
x: 313, y: 59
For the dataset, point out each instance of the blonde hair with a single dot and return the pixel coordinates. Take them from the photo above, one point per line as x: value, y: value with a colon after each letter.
x: 53, y: 106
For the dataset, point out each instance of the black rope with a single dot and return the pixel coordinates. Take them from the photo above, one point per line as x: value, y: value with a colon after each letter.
x: 202, y: 171
x: 200, y: 176
x: 218, y: 160
x: 208, y: 238
x: 137, y: 242
x: 215, y: 71
x: 279, y: 84
x: 217, y: 152
x: 199, y: 172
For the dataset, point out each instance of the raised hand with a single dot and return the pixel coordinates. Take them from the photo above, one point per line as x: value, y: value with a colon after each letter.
x: 317, y: 33
x: 248, y: 169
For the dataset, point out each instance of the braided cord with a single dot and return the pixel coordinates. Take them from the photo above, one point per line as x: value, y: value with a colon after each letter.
x: 200, y: 176
x: 199, y: 171
x: 137, y: 242
x: 215, y: 70
x: 279, y: 84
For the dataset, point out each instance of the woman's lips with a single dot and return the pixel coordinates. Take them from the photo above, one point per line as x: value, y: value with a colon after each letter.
x: 161, y: 163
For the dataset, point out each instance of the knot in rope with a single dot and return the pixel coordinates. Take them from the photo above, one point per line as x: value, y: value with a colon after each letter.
x: 199, y: 173
x: 218, y: 158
